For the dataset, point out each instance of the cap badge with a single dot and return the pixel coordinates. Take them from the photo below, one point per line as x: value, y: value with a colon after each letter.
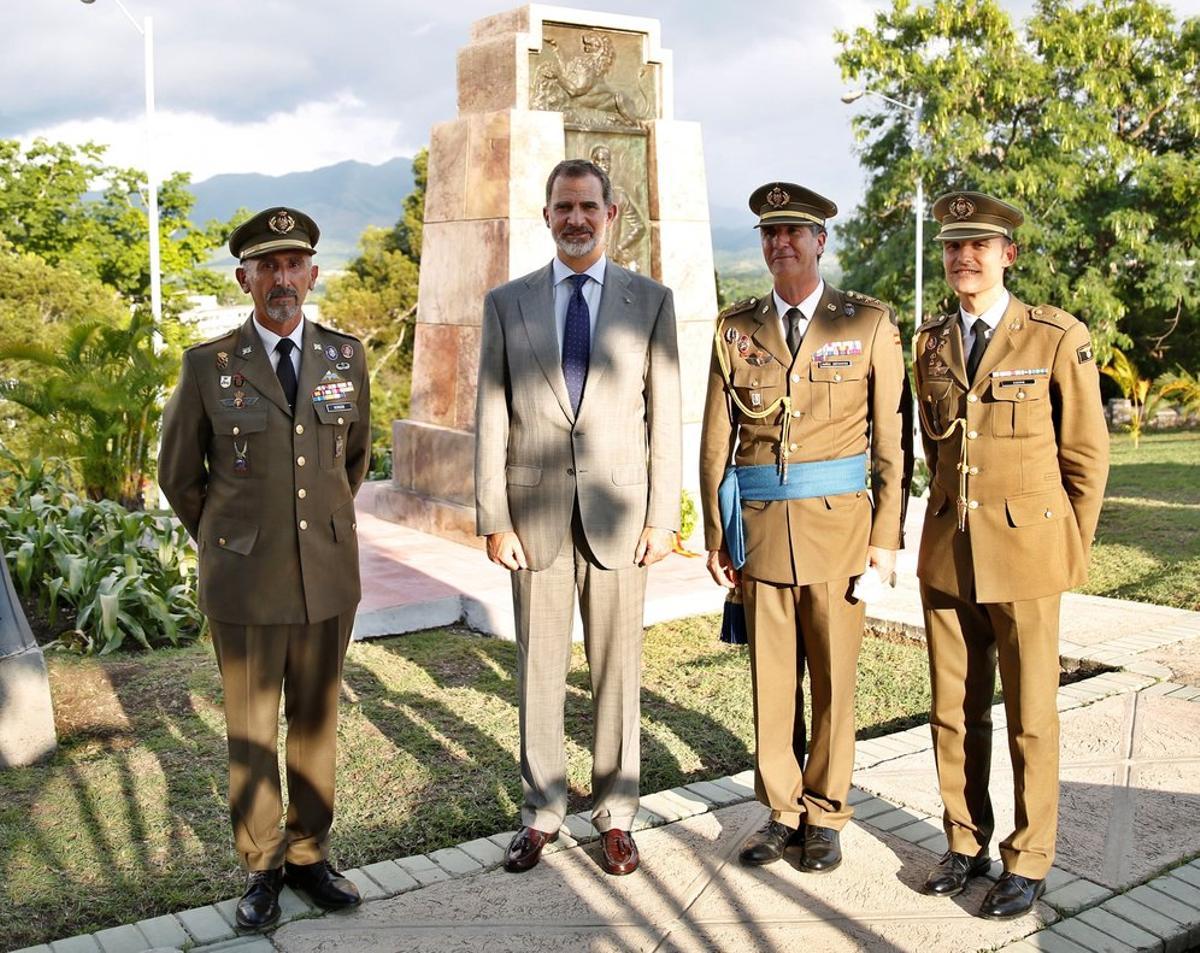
x: 778, y: 198
x: 962, y: 207
x: 281, y: 222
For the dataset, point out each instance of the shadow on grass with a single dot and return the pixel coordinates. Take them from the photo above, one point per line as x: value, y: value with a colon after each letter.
x: 1165, y: 482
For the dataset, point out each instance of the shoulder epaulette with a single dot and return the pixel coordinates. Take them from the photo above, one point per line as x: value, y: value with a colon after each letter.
x: 933, y: 323
x: 231, y: 333
x: 1048, y: 314
x: 335, y: 331
x: 861, y: 298
x: 746, y: 304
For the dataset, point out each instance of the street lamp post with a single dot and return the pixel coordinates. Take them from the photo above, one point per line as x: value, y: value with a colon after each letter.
x: 914, y: 115
x: 146, y: 29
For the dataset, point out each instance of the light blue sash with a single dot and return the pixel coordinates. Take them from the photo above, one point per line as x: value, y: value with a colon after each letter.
x: 804, y: 480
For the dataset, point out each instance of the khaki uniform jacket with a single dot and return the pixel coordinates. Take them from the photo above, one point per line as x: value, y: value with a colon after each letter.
x: 849, y: 394
x: 268, y: 497
x: 620, y: 459
x: 1037, y: 456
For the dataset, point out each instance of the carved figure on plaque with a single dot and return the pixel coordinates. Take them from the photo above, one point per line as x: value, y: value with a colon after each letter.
x: 629, y: 227
x: 583, y: 88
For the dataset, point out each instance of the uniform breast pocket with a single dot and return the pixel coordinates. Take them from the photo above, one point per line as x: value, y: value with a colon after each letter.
x: 333, y: 427
x: 757, y: 387
x: 838, y: 388
x: 1020, y: 406
x: 939, y: 404
x: 239, y: 443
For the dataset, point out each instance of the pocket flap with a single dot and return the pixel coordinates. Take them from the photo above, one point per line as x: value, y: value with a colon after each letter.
x: 1019, y: 389
x: 835, y: 371
x: 747, y: 375
x: 629, y: 475
x: 336, y: 412
x: 237, y: 422
x: 523, y: 476
x: 233, y: 535
x: 1042, y: 506
x: 345, y: 523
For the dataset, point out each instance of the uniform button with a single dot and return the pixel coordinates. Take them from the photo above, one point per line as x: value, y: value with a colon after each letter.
x: 795, y: 413
x: 299, y: 428
x: 1048, y: 514
x: 1020, y: 395
x: 792, y: 446
x: 302, y: 493
x: 974, y: 504
x: 299, y: 461
x: 304, y: 524
x: 570, y: 471
x: 795, y: 378
x: 837, y: 377
x: 221, y: 541
x: 973, y: 471
x: 858, y: 494
x: 354, y: 526
x: 236, y: 431
x: 971, y: 398
x: 753, y: 383
x: 972, y: 434
x: 341, y: 420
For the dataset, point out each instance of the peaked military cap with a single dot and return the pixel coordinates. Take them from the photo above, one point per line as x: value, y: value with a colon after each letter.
x: 974, y: 215
x: 785, y: 203
x: 274, y: 229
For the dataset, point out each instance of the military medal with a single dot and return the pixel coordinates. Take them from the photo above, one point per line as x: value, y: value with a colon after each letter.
x: 226, y: 380
x: 342, y: 365
x: 331, y: 352
x: 730, y: 335
x: 238, y: 380
x: 755, y: 399
x: 222, y: 360
x: 247, y: 349
x: 241, y: 459
x: 347, y: 351
x: 848, y: 310
x: 339, y: 445
x: 239, y: 399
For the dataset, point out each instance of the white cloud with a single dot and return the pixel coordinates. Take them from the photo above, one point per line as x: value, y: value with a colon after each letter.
x: 312, y: 135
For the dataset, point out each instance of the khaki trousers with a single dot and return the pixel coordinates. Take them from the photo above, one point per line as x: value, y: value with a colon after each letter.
x: 258, y: 663
x: 965, y: 639
x: 790, y: 626
x: 611, y: 603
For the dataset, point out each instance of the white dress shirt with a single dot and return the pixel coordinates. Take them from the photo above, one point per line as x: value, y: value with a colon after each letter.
x: 991, y: 316
x: 808, y: 307
x: 563, y: 289
x: 270, y: 339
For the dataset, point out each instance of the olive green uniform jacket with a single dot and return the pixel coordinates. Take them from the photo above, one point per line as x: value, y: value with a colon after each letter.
x: 268, y: 496
x: 1037, y: 456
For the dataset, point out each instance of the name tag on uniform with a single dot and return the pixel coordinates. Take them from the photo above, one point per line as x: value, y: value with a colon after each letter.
x: 337, y: 408
x: 834, y: 363
x: 1022, y: 382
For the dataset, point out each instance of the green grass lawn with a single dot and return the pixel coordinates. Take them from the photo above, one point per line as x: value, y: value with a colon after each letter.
x: 1148, y: 542
x: 128, y: 820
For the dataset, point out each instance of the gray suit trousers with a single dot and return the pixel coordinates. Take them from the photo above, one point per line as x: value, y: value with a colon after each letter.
x: 611, y: 603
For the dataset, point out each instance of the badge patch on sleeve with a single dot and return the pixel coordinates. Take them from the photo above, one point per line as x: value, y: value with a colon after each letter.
x: 1084, y: 352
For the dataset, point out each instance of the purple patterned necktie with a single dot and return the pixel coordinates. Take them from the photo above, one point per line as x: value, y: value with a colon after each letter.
x: 577, y: 343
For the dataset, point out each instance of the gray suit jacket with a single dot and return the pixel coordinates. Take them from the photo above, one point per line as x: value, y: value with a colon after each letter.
x: 620, y: 459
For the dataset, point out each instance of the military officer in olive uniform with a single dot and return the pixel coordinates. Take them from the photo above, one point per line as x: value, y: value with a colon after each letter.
x: 807, y: 394
x: 265, y: 442
x: 1017, y: 446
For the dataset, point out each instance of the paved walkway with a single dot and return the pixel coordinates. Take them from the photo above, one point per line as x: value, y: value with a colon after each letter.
x: 1127, y: 874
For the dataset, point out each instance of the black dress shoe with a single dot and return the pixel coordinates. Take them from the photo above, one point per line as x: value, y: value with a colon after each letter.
x: 525, y: 849
x: 822, y: 850
x: 259, y: 906
x: 949, y: 878
x: 768, y: 844
x: 1012, y: 896
x: 326, y: 887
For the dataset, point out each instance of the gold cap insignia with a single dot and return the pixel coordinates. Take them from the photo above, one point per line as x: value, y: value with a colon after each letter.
x: 961, y: 207
x: 778, y: 198
x: 281, y: 222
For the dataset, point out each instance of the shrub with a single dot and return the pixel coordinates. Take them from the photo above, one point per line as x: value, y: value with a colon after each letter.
x: 127, y: 578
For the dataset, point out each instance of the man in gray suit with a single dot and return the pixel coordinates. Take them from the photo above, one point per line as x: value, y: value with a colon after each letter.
x: 577, y: 480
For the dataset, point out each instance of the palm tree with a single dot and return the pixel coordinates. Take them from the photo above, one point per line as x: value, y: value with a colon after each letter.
x: 101, y: 388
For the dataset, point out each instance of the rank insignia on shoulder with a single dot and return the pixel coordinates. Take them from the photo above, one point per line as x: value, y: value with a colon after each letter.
x: 1084, y: 352
x: 316, y: 346
x: 247, y: 349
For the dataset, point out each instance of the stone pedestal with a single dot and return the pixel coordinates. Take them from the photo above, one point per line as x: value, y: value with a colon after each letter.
x: 537, y: 85
x: 26, y: 718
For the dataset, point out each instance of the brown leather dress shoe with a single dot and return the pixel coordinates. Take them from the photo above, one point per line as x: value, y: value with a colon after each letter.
x: 525, y: 849
x: 618, y: 852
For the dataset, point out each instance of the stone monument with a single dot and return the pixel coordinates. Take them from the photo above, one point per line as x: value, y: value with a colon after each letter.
x: 537, y: 85
x: 26, y: 718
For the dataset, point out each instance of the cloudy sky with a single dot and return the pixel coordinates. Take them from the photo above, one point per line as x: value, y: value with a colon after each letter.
x: 284, y: 85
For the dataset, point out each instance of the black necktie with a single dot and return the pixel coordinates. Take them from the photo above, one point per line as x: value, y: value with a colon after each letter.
x: 285, y: 371
x: 978, y: 346
x: 795, y: 334
x: 577, y: 342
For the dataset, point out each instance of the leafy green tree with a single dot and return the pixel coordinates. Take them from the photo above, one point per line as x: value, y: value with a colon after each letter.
x: 1087, y: 117
x: 376, y: 298
x: 100, y: 386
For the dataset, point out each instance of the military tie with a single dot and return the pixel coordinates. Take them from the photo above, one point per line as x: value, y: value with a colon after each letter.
x: 978, y: 346
x: 286, y: 371
x: 795, y: 331
x: 577, y: 343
